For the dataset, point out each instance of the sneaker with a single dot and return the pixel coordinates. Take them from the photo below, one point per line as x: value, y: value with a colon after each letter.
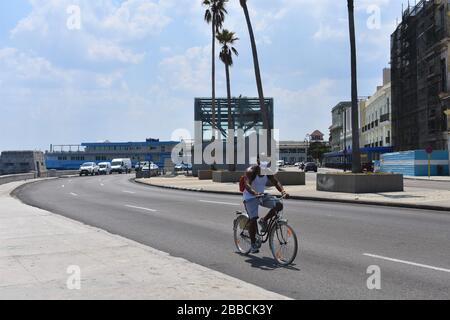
x: 254, y: 249
x: 263, y: 225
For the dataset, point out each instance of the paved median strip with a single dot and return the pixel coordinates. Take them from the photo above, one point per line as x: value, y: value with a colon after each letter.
x: 407, y: 262
x: 140, y: 208
x: 218, y: 202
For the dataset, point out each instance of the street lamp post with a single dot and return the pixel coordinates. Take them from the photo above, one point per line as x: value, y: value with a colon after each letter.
x: 308, y: 145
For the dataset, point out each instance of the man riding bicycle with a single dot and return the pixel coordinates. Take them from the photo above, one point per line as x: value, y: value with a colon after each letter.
x: 256, y: 179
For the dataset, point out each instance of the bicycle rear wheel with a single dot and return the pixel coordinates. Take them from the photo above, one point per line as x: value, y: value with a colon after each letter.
x: 283, y: 244
x: 242, y: 235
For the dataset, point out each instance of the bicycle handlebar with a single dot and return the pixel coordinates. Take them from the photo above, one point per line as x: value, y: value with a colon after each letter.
x: 268, y: 194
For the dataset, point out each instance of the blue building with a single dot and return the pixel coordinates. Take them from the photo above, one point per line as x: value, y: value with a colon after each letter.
x: 71, y: 157
x: 415, y: 163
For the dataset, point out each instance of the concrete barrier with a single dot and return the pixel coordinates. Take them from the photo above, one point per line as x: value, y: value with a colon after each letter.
x: 285, y: 177
x: 291, y: 178
x: 227, y: 176
x: 205, y: 174
x: 360, y: 183
x: 17, y: 177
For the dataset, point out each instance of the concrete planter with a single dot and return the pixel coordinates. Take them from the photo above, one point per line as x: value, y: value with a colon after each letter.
x: 291, y: 178
x: 360, y: 183
x: 205, y: 174
x: 227, y: 176
x: 286, y: 178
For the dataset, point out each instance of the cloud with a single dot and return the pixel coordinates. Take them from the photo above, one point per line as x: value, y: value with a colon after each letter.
x: 327, y: 32
x: 189, y: 71
x: 106, y: 50
x: 108, y: 30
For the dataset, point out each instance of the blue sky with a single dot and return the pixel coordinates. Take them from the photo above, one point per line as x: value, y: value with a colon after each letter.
x: 133, y: 69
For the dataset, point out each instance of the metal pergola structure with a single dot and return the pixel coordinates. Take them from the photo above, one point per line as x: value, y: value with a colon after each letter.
x: 246, y: 114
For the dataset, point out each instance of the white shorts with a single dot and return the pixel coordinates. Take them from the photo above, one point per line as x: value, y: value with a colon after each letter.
x: 252, y: 205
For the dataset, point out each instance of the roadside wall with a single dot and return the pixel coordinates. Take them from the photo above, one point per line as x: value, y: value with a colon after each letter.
x: 415, y: 163
x: 33, y: 175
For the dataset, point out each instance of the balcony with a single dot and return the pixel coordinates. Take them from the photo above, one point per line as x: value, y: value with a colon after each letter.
x: 385, y: 117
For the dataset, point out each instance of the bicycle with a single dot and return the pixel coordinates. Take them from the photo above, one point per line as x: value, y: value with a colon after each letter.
x: 279, y: 233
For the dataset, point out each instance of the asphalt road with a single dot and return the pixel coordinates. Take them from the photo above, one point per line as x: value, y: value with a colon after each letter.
x: 338, y: 242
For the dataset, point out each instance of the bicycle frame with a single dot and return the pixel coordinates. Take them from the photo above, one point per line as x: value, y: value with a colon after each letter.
x: 270, y: 225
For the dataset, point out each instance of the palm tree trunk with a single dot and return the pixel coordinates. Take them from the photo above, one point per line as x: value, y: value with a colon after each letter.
x: 213, y: 80
x: 259, y: 85
x: 356, y: 155
x: 231, y: 167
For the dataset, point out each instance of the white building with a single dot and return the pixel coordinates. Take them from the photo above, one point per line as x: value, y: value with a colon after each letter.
x: 376, y: 118
x: 293, y: 151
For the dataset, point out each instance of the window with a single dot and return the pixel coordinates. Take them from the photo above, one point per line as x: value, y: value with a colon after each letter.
x: 443, y: 75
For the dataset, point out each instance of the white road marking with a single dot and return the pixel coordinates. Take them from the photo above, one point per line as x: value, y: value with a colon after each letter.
x: 130, y: 192
x: 140, y: 208
x: 407, y: 262
x: 62, y: 186
x: 102, y: 184
x: 74, y: 194
x: 217, y: 202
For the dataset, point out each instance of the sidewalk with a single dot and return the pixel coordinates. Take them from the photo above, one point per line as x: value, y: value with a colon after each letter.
x: 434, y: 178
x: 37, y: 247
x: 418, y: 198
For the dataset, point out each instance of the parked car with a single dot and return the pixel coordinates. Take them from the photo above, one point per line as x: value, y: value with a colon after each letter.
x: 183, y: 167
x: 281, y: 163
x: 141, y: 165
x: 311, y: 166
x: 368, y: 167
x: 89, y: 168
x: 152, y: 168
x: 104, y: 168
x: 121, y: 166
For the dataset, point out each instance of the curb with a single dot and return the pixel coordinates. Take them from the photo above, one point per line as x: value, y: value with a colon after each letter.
x: 445, y: 210
x: 426, y: 180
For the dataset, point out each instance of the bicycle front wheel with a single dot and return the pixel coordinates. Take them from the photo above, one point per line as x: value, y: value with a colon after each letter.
x: 283, y: 244
x: 242, y: 235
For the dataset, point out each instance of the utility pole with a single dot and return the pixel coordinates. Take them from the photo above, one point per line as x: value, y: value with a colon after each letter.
x: 344, y: 111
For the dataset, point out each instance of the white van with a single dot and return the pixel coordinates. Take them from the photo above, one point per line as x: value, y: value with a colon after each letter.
x: 104, y: 168
x: 281, y: 163
x: 121, y: 166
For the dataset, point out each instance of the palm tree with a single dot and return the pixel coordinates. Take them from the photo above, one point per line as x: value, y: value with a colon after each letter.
x: 214, y: 15
x: 227, y: 39
x: 258, y: 75
x: 356, y: 155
